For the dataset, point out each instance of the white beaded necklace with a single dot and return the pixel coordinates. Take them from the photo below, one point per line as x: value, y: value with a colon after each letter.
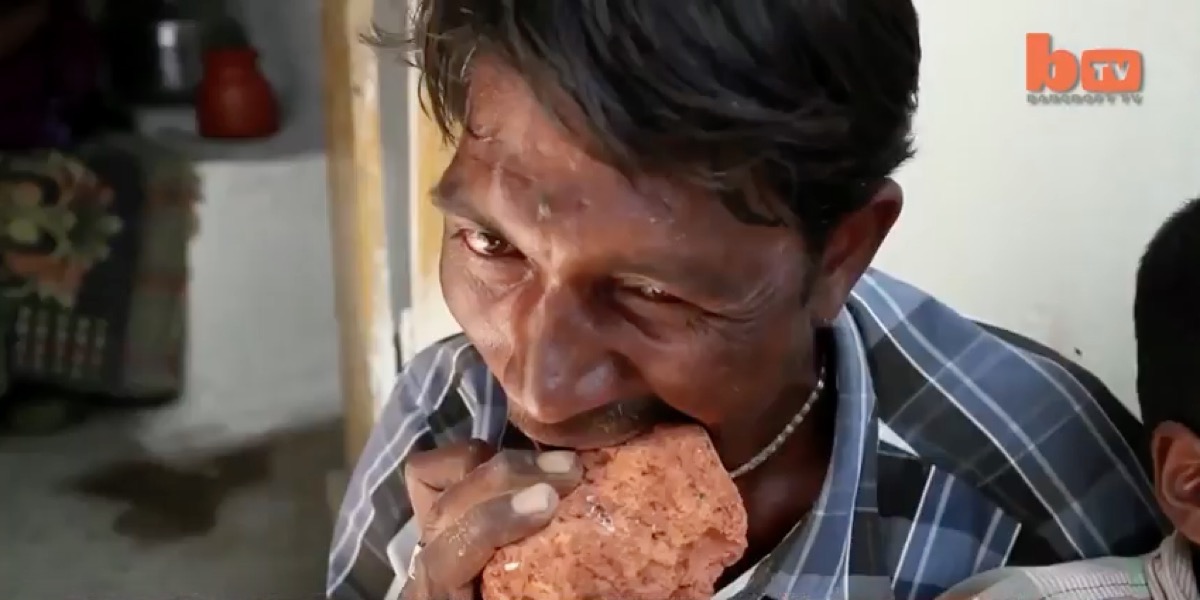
x: 783, y: 436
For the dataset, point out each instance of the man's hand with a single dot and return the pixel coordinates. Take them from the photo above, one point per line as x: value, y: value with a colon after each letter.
x: 470, y: 501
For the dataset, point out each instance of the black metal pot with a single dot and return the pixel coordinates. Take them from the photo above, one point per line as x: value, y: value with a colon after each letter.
x: 154, y: 49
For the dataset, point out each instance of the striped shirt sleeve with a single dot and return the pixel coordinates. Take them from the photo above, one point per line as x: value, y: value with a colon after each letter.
x: 426, y: 410
x: 1101, y: 579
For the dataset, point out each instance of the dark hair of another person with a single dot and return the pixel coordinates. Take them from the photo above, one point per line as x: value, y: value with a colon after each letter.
x: 1166, y: 317
x: 809, y: 101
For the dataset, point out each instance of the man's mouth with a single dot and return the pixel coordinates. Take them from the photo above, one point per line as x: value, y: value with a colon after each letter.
x: 575, y: 438
x: 582, y: 442
x: 611, y: 426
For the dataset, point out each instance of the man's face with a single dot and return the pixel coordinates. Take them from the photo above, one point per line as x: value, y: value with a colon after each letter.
x: 604, y: 304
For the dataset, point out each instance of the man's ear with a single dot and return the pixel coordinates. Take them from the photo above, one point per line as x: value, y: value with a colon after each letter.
x: 851, y: 247
x: 1176, y: 454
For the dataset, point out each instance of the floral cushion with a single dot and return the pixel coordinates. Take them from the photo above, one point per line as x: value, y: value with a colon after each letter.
x: 94, y: 266
x: 57, y: 223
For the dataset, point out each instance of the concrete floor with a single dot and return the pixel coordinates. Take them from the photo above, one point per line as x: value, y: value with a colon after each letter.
x: 87, y: 514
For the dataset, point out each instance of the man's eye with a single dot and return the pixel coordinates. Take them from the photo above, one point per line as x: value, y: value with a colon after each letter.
x: 653, y: 294
x: 486, y: 244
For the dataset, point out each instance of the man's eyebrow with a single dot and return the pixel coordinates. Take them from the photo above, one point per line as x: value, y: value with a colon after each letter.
x: 449, y: 197
x: 446, y: 195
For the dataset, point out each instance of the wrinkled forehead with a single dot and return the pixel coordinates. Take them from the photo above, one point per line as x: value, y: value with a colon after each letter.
x: 519, y: 140
x: 511, y: 129
x: 521, y: 168
x: 503, y: 109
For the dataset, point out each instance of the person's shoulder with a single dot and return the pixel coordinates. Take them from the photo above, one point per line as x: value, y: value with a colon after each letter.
x: 449, y: 354
x: 1041, y: 422
x: 449, y: 369
x: 1000, y: 365
x: 1111, y: 578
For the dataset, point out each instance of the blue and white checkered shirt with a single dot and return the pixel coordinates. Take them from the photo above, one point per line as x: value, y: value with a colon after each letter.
x: 958, y: 448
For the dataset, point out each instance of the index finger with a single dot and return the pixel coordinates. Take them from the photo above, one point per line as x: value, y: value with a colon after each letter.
x: 428, y: 474
x: 457, y: 555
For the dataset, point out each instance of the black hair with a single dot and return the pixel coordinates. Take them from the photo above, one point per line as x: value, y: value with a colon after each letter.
x: 1166, y: 318
x: 810, y: 101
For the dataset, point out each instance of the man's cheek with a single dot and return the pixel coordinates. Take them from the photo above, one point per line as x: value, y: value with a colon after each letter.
x: 489, y: 326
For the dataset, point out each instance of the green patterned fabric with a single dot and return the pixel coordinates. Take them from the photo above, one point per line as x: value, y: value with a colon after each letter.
x: 95, y: 266
x: 56, y: 223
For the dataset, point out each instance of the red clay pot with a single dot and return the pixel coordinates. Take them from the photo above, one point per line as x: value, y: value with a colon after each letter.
x: 234, y: 99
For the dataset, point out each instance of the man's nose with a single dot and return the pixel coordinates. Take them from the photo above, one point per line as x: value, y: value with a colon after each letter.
x: 567, y: 369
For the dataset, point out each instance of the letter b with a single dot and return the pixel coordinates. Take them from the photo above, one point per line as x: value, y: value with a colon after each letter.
x: 1057, y: 70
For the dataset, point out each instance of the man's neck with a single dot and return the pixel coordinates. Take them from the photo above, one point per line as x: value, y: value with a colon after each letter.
x: 781, y: 491
x: 749, y: 433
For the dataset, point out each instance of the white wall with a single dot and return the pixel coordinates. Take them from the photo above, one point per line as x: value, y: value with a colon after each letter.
x: 263, y: 347
x: 1033, y: 217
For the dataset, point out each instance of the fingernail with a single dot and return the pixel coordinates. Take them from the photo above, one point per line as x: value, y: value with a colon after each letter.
x: 535, y: 499
x: 556, y: 462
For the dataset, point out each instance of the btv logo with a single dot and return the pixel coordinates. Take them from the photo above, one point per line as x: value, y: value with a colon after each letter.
x: 1102, y: 73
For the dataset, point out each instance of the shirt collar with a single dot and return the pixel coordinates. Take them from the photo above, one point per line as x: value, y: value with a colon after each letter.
x: 839, y: 539
x: 1169, y: 570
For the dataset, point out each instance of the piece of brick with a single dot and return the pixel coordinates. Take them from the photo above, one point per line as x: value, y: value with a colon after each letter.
x: 655, y: 519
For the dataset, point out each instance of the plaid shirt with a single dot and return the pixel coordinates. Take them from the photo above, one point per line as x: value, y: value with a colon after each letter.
x: 1165, y: 574
x: 958, y: 448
